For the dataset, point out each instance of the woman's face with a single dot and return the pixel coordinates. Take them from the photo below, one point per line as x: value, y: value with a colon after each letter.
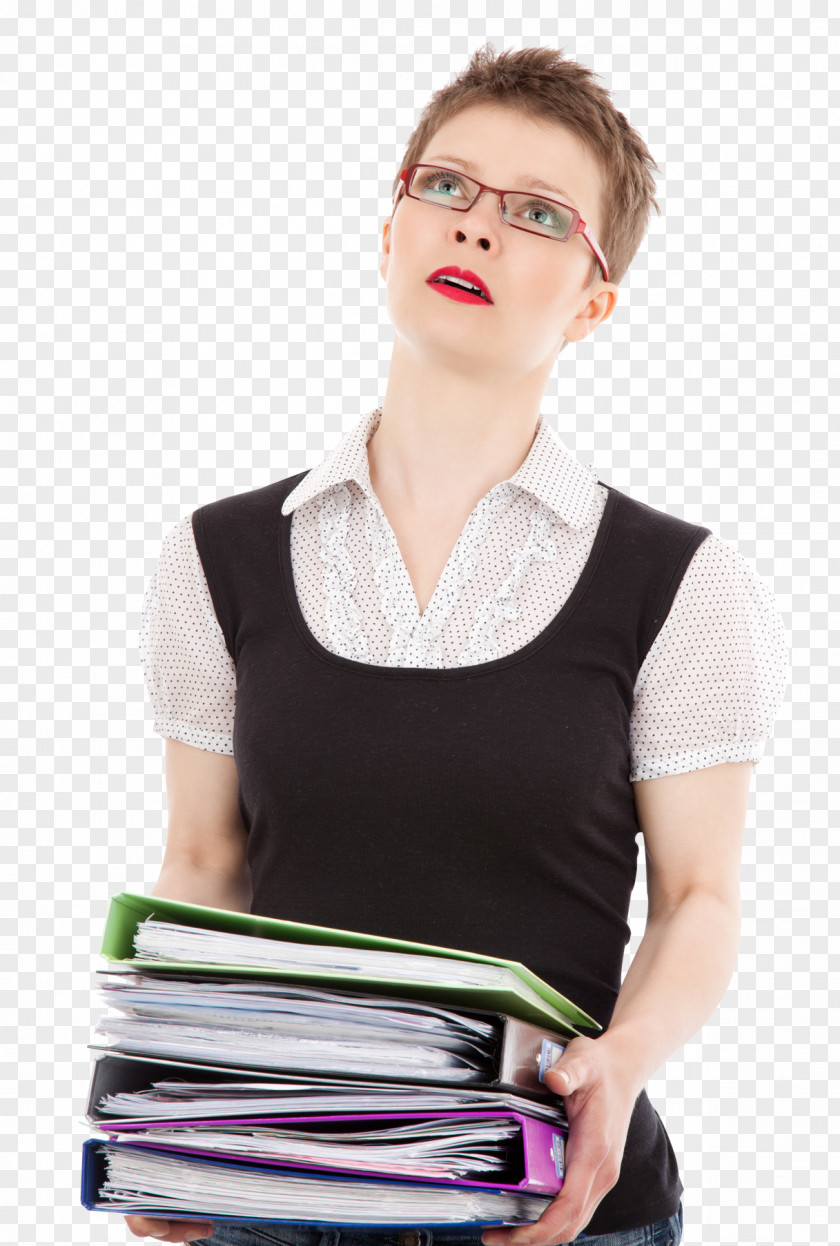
x: 538, y: 286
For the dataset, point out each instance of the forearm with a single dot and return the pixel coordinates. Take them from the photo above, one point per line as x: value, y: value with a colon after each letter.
x: 194, y: 882
x: 675, y: 981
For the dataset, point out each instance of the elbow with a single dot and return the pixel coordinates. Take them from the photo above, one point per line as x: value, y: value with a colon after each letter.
x: 714, y: 912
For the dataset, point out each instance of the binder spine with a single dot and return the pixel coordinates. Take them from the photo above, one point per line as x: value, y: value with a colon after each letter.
x: 523, y: 1053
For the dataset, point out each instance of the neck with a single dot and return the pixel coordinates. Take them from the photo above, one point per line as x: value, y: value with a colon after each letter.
x: 443, y: 444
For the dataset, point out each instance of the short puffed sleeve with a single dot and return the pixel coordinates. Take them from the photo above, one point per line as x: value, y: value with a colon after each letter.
x: 189, y: 673
x: 714, y: 679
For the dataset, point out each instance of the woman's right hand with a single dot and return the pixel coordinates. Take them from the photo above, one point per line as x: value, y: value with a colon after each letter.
x: 169, y: 1230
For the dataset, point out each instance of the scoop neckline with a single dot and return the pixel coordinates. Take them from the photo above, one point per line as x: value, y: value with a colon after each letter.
x: 553, y: 626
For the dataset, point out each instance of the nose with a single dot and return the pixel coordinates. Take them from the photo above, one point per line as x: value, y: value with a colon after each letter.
x: 494, y: 204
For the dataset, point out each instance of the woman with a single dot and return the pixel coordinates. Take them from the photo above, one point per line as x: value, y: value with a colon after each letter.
x: 466, y: 673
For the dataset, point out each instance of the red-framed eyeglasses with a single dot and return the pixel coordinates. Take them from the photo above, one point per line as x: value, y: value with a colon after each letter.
x: 423, y: 182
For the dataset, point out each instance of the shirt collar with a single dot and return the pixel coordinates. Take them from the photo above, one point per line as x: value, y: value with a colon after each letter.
x: 550, y: 472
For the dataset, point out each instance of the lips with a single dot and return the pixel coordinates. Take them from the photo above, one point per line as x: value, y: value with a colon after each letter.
x: 464, y: 274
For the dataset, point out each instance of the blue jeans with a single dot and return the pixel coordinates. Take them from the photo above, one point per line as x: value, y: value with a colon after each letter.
x: 663, y: 1233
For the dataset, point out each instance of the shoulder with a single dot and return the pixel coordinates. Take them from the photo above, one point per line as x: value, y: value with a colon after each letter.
x: 713, y: 557
x: 713, y: 579
x: 251, y: 501
x: 649, y: 551
x: 719, y: 571
x: 177, y: 563
x: 241, y: 514
x: 733, y: 610
x: 646, y: 520
x: 726, y: 613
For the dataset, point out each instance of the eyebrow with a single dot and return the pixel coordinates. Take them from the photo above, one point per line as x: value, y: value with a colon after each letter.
x: 535, y: 182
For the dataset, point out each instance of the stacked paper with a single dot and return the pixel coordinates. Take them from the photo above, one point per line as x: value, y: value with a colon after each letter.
x: 251, y: 1069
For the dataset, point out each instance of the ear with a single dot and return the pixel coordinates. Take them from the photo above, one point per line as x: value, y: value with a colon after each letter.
x: 597, y: 308
x: 386, y: 248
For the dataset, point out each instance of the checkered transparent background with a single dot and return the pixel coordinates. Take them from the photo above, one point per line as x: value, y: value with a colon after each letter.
x: 192, y: 318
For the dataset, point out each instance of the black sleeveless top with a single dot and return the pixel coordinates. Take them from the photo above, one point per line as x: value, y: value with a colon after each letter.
x: 484, y: 807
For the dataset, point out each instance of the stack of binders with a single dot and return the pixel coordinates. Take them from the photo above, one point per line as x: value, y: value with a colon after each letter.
x: 254, y: 1070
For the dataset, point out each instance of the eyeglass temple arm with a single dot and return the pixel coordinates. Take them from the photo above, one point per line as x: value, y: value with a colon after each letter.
x: 583, y: 228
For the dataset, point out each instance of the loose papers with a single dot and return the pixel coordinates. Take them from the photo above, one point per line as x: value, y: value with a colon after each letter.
x: 262, y: 1025
x: 437, y: 1149
x: 172, y: 1098
x: 138, y: 1179
x: 171, y: 942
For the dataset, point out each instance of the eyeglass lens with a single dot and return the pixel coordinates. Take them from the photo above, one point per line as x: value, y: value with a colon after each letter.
x: 448, y: 189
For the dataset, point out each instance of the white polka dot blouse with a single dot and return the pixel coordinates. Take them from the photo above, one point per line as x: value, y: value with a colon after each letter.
x: 708, y: 691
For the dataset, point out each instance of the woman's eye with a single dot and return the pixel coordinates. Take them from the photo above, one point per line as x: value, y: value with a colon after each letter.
x: 546, y: 211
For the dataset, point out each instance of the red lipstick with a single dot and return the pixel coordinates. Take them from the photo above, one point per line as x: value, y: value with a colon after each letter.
x: 458, y: 289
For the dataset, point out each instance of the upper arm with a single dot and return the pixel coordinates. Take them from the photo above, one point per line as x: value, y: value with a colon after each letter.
x: 191, y: 679
x: 693, y: 828
x: 712, y: 683
x: 189, y: 673
x: 205, y: 825
x: 705, y: 700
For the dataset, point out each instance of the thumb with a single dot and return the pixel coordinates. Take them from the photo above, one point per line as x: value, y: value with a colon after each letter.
x: 565, y: 1075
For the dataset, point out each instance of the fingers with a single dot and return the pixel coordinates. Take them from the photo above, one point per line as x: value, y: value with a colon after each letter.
x: 192, y: 1232
x: 147, y: 1226
x: 498, y: 1237
x: 169, y: 1230
x: 599, y: 1107
x: 572, y: 1069
x: 590, y: 1173
x: 561, y: 1221
x: 195, y: 1232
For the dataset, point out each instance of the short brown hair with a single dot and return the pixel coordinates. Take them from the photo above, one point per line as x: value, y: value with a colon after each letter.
x: 541, y: 84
